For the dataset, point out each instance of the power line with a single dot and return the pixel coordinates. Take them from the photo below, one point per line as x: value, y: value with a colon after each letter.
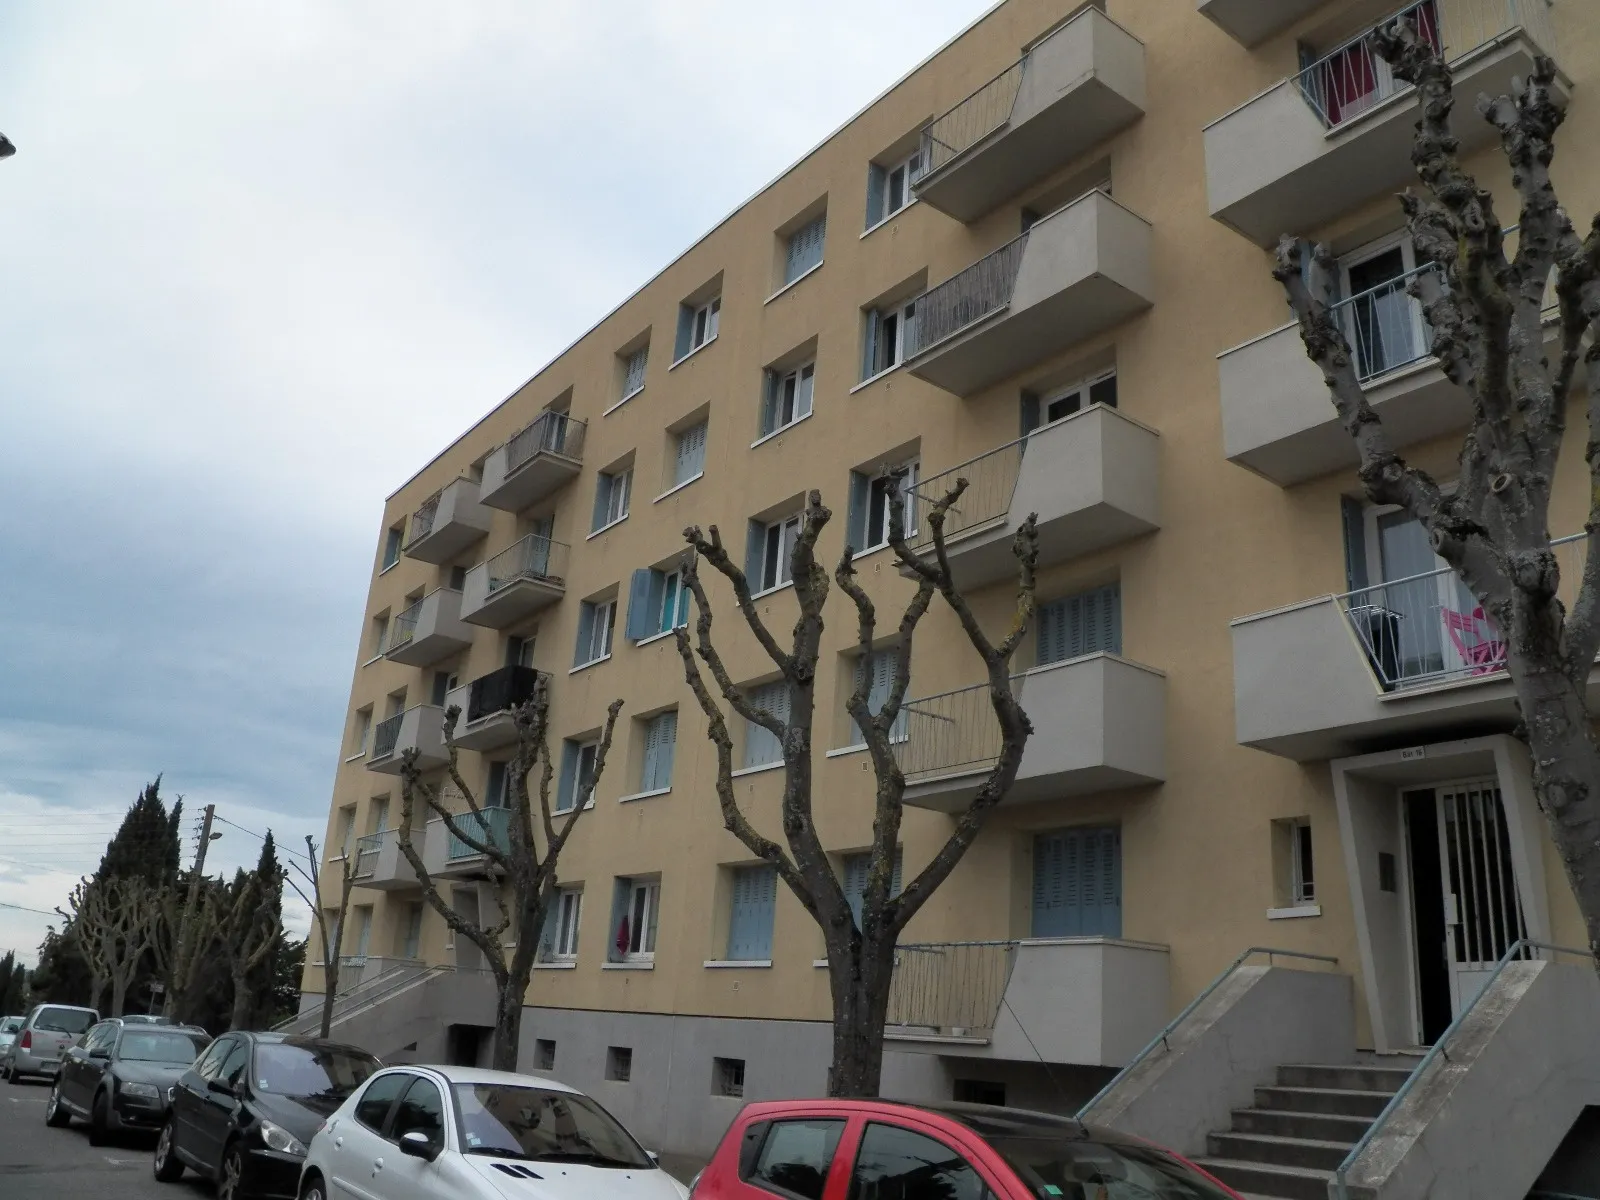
x: 26, y: 909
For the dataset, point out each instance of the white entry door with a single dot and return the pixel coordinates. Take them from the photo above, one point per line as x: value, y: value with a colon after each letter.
x: 1482, y: 911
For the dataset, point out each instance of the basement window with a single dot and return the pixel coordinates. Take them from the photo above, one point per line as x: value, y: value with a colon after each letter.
x: 619, y: 1063
x: 544, y: 1054
x: 727, y: 1077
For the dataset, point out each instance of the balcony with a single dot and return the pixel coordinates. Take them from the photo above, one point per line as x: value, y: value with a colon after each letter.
x: 1321, y: 142
x: 534, y: 463
x: 429, y: 630
x: 1092, y: 477
x: 1073, y: 88
x: 448, y: 857
x: 517, y: 582
x: 1251, y: 22
x: 1408, y: 659
x: 1077, y: 272
x: 420, y: 728
x: 485, y: 722
x: 1099, y: 725
x: 447, y: 523
x: 1087, y: 1001
x: 380, y: 865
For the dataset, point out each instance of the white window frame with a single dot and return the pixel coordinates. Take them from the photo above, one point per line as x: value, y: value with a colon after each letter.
x: 903, y: 316
x: 778, y: 541
x: 600, y: 631
x: 644, y: 919
x: 393, y: 539
x: 632, y: 385
x: 703, y: 324
x: 909, y: 169
x: 1302, y: 890
x: 619, y: 496
x: 380, y: 635
x: 909, y: 472
x: 1408, y: 263
x: 569, y: 915
x: 589, y: 750
x: 1081, y: 389
x: 363, y: 732
x: 788, y: 391
x: 673, y: 593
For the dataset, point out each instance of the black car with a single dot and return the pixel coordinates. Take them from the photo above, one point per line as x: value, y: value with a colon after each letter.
x: 118, y: 1075
x: 244, y: 1114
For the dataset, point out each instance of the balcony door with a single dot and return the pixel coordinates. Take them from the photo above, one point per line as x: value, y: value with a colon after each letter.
x: 1077, y: 883
x: 1424, y: 620
x: 1383, y: 324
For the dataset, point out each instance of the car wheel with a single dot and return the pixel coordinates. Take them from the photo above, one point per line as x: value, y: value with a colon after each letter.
x: 232, y: 1173
x: 168, y: 1166
x: 313, y: 1189
x: 100, y: 1120
x: 55, y: 1113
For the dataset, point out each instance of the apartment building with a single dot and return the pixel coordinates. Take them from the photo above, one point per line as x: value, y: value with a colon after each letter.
x: 1264, y: 715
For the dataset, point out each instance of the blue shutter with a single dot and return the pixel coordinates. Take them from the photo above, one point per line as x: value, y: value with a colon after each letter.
x: 755, y: 542
x: 877, y: 193
x: 569, y: 773
x: 666, y: 746
x: 1052, y: 632
x: 855, y: 883
x: 641, y: 613
x: 685, y: 331
x: 860, y: 502
x: 761, y: 744
x: 894, y: 880
x: 1077, y: 883
x: 602, y: 500
x: 1355, y: 543
x: 755, y: 897
x: 580, y: 652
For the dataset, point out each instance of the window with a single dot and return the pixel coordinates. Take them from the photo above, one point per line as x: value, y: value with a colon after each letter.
x: 727, y: 1077
x: 209, y: 1064
x: 889, y: 187
x: 897, y: 1164
x: 979, y: 1091
x: 380, y: 814
x: 633, y: 372
x: 804, y: 249
x: 519, y: 651
x: 855, y: 880
x: 1063, y: 402
x: 1087, y: 623
x: 869, y: 505
x: 380, y: 635
x: 770, y: 553
x: 689, y: 454
x: 697, y: 325
x: 235, y: 1066
x: 363, y: 930
x: 361, y: 732
x: 794, y: 1158
x: 1302, y: 874
x: 788, y: 397
x: 657, y: 602
x: 458, y: 578
x: 1383, y: 324
x: 660, y: 745
x: 878, y: 668
x: 761, y: 745
x: 595, y: 619
x: 443, y: 683
x: 612, y: 492
x: 891, y: 338
x: 544, y: 1054
x: 421, y: 1111
x: 560, y: 940
x: 347, y: 829
x: 411, y: 947
x: 619, y: 1063
x: 391, y: 545
x: 372, y: 1110
x: 637, y: 914
x: 1077, y: 883
x: 494, y: 789
x: 754, y: 903
x: 577, y: 773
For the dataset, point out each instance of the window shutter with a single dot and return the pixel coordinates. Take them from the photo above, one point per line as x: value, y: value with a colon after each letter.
x: 869, y: 344
x: 1355, y: 543
x: 691, y: 457
x: 685, y: 331
x: 860, y: 502
x: 894, y: 880
x: 641, y: 614
x: 602, y: 500
x: 804, y: 249
x: 580, y: 653
x: 1105, y: 901
x: 666, y: 747
x: 1030, y: 412
x: 565, y: 790
x: 877, y: 190
x: 755, y: 895
x: 855, y: 883
x: 1077, y: 883
x: 761, y: 744
x: 754, y: 544
x: 1052, y: 632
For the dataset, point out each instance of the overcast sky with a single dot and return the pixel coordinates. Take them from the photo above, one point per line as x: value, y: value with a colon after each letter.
x: 258, y: 263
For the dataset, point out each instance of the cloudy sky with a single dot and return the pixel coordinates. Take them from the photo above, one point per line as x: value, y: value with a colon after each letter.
x: 258, y: 262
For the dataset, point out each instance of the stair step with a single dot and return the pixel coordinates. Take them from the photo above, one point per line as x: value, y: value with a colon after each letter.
x: 1327, y: 1127
x: 1362, y: 1078
x: 1269, y: 1180
x: 1322, y: 1100
x: 1282, y: 1151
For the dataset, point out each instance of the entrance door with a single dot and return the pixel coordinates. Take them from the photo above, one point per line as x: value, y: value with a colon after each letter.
x: 1482, y: 911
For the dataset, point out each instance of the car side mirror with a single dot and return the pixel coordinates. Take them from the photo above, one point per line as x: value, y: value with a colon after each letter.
x: 418, y: 1145
x: 654, y: 1157
x: 221, y: 1086
x: 100, y: 1052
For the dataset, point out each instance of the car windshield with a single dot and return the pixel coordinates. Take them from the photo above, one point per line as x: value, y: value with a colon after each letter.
x: 285, y: 1069
x: 1072, y: 1169
x: 64, y: 1020
x: 11, y: 1024
x: 154, y: 1047
x: 532, y: 1123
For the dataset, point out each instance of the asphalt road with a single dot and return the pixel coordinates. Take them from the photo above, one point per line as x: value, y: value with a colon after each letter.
x: 40, y: 1163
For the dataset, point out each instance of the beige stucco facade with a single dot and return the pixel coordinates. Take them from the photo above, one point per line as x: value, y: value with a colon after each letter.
x: 1149, y: 282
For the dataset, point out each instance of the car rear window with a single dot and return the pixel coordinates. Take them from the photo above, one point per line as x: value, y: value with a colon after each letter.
x: 146, y: 1045
x: 64, y: 1020
x: 1075, y: 1169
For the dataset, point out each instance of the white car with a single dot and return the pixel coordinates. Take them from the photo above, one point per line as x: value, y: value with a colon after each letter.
x: 458, y: 1133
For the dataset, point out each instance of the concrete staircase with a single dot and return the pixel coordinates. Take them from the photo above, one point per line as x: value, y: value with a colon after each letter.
x: 1287, y: 1146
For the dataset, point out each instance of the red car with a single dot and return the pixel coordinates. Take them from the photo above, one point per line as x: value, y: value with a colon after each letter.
x: 878, y: 1150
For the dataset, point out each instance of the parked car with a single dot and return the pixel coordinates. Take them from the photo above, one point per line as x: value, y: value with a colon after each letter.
x: 119, y: 1077
x: 8, y: 1034
x: 831, y: 1149
x: 46, y: 1032
x: 244, y: 1112
x: 458, y: 1133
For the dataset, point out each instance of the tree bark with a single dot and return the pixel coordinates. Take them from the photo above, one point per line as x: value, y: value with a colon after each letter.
x: 859, y: 980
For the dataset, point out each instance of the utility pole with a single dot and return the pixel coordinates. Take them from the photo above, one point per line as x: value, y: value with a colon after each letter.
x: 180, y: 957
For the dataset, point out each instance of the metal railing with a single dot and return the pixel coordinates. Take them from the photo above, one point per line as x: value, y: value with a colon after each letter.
x: 1525, y: 950
x: 487, y: 827
x: 367, y: 850
x: 974, y: 118
x: 1351, y: 79
x: 1161, y: 1038
x: 1428, y: 628
x: 404, y: 626
x: 970, y: 295
x: 386, y: 735
x: 501, y: 689
x: 552, y: 433
x: 952, y: 988
x: 363, y: 996
x: 991, y: 482
x: 534, y: 557
x: 422, y: 520
x: 1385, y: 326
x: 949, y: 733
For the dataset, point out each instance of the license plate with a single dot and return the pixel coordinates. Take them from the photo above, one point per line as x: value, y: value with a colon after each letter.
x: 49, y: 1068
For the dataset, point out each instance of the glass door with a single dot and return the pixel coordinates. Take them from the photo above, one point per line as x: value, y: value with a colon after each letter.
x: 1433, y: 620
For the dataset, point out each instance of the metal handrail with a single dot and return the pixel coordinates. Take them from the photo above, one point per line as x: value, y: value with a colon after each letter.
x: 1161, y: 1038
x: 384, y: 980
x: 1514, y: 953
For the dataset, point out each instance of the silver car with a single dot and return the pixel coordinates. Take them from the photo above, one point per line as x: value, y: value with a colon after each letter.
x: 9, y: 1026
x: 45, y: 1035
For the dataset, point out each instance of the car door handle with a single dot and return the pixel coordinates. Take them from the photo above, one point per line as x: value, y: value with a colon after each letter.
x: 338, y: 1143
x: 377, y: 1166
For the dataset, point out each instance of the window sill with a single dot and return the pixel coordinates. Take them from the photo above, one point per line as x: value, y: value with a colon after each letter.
x: 594, y: 533
x: 780, y: 430
x: 797, y: 279
x: 678, y: 487
x: 645, y: 795
x: 788, y: 583
x: 628, y: 966
x: 676, y: 363
x: 1290, y: 914
x: 840, y: 752
x: 378, y: 657
x: 820, y: 962
x: 593, y: 662
x: 382, y: 571
x: 656, y: 637
x: 731, y: 964
x: 561, y: 812
x: 624, y: 400
x: 871, y: 550
x: 559, y: 965
x: 358, y: 754
x: 872, y: 379
x: 757, y: 769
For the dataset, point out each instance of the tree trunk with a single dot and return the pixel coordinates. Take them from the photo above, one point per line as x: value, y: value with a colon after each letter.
x: 330, y: 989
x: 242, y: 1002
x: 119, y: 993
x: 507, y: 1027
x: 860, y: 988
